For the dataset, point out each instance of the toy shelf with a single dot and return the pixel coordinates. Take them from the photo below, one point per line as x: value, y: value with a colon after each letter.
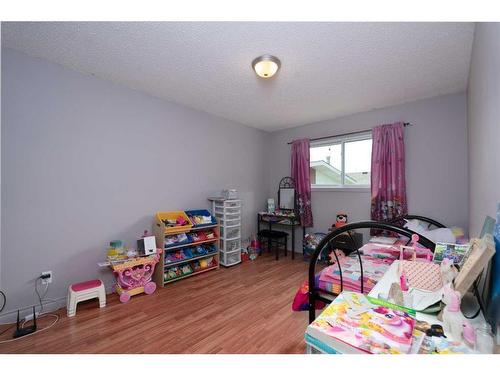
x: 211, y: 226
x: 168, y: 265
x: 167, y: 249
x: 160, y: 231
x: 191, y: 274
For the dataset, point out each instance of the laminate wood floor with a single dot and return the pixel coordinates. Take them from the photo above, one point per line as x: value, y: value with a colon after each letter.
x: 242, y: 309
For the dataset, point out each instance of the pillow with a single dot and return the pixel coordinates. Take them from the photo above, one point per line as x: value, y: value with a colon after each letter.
x: 384, y: 240
x: 440, y: 235
x: 415, y: 226
x: 435, y: 235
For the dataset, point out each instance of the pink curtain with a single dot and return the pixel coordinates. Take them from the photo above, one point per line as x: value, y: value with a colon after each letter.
x: 301, y: 175
x: 388, y: 186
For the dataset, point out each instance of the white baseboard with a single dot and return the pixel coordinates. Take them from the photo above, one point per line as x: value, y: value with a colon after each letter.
x: 49, y: 306
x: 53, y: 304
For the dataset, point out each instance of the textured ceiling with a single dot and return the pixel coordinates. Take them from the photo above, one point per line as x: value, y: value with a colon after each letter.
x: 328, y: 69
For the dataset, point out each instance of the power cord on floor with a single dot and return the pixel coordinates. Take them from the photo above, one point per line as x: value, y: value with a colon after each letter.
x: 41, y: 299
x: 34, y: 333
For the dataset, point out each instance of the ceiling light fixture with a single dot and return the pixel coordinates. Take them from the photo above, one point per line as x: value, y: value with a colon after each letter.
x: 266, y: 66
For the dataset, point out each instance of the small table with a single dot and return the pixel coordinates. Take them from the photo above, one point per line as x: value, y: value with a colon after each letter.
x: 282, y: 218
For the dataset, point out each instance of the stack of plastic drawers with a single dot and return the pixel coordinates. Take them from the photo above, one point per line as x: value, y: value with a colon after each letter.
x: 228, y: 213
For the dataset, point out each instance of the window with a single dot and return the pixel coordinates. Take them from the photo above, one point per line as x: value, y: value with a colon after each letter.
x: 342, y: 162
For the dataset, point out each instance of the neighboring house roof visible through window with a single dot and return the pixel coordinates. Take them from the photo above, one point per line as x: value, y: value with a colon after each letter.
x: 329, y: 173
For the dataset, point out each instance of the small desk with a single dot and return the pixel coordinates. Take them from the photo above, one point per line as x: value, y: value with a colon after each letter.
x: 281, y: 218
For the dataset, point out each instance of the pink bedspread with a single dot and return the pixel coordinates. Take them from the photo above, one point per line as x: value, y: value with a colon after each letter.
x: 373, y: 270
x: 382, y: 251
x: 376, y: 260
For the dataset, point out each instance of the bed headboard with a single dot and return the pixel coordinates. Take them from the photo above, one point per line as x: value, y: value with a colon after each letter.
x: 400, y: 221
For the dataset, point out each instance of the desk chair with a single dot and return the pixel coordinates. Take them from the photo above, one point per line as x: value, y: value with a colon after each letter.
x: 274, y: 239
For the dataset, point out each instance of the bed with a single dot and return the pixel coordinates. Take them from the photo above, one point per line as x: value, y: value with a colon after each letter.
x: 362, y: 267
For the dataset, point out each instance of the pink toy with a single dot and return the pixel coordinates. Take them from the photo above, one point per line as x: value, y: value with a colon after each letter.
x: 181, y: 221
x: 453, y: 319
x: 469, y: 334
x: 403, y: 282
x: 420, y: 251
x: 134, y: 276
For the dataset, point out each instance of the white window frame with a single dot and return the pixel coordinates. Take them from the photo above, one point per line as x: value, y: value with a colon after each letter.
x: 342, y: 140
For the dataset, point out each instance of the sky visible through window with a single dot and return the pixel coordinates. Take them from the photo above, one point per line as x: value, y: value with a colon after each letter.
x: 357, y: 155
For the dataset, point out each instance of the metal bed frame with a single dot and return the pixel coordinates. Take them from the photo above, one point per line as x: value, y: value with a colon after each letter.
x: 399, y: 221
x: 327, y: 244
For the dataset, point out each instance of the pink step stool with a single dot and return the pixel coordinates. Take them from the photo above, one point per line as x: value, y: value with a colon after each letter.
x: 83, y: 292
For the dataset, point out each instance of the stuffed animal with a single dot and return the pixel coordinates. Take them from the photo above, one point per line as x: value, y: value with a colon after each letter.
x: 341, y: 220
x: 448, y: 271
x: 340, y: 255
x: 453, y: 319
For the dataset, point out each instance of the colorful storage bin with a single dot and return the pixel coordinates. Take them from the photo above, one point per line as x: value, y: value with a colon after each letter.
x: 205, y: 213
x: 173, y: 215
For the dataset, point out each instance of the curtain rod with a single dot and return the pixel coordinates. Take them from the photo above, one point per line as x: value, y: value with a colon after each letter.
x: 344, y: 134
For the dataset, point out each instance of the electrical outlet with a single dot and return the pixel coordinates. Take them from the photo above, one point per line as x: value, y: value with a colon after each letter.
x: 46, y: 277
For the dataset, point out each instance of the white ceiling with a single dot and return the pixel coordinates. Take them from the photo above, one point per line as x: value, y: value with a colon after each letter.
x: 328, y: 70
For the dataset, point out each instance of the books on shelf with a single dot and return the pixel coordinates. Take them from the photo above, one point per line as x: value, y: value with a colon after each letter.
x: 355, y: 323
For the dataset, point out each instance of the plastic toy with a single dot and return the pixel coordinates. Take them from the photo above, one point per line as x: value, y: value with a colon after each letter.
x: 116, y: 250
x: 453, y: 319
x: 420, y: 251
x: 484, y: 339
x: 435, y: 330
x: 186, y: 269
x: 254, y: 249
x: 181, y: 221
x: 134, y: 276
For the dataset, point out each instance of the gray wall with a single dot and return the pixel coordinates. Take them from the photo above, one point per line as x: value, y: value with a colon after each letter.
x: 436, y: 160
x: 484, y: 125
x: 85, y: 161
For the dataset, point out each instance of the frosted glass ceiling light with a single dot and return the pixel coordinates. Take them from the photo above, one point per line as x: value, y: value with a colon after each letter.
x: 266, y: 66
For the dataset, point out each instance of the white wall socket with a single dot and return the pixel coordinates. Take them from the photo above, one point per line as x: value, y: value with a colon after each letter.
x: 47, y: 280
